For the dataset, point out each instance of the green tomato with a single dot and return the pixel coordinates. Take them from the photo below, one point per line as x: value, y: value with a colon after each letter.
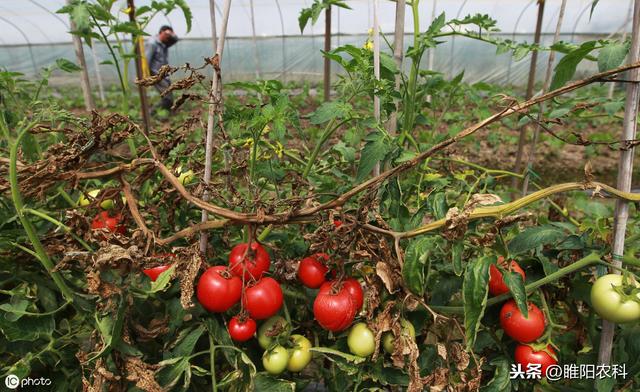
x: 360, y: 340
x: 105, y: 204
x: 610, y: 304
x: 185, y: 177
x: 300, y: 355
x: 407, y: 330
x: 275, y: 361
x: 264, y: 340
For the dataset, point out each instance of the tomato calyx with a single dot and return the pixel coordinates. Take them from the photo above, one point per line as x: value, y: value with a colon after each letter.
x: 547, y: 347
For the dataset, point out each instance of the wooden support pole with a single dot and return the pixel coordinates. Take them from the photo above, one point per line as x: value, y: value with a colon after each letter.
x: 144, y: 104
x: 530, y: 85
x: 398, y: 51
x: 327, y: 61
x: 85, y: 84
x: 625, y: 173
x: 215, y: 97
x: 545, y: 87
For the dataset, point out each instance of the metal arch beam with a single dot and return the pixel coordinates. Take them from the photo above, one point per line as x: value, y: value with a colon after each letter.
x: 26, y: 39
x: 513, y: 37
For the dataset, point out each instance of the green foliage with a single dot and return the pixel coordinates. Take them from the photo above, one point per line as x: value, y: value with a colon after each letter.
x: 316, y: 9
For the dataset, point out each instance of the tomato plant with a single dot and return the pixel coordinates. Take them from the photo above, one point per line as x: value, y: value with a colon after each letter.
x: 616, y: 299
x: 263, y: 299
x: 241, y: 329
x: 517, y: 326
x: 217, y: 290
x: 411, y: 200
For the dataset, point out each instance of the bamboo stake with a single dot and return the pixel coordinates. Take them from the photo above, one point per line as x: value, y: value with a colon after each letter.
x: 215, y: 97
x: 89, y: 104
x: 625, y: 172
x: 398, y: 51
x: 144, y: 104
x: 376, y: 70
x: 96, y: 65
x: 625, y: 25
x: 545, y: 88
x: 530, y: 84
x: 327, y: 61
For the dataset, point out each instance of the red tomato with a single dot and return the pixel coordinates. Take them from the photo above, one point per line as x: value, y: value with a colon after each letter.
x: 112, y: 223
x: 256, y: 262
x: 334, y: 308
x: 519, y: 328
x: 312, y: 270
x: 525, y: 356
x: 154, y: 272
x: 241, y: 330
x: 337, y: 223
x: 354, y: 288
x: 263, y: 299
x: 496, y: 282
x: 216, y: 291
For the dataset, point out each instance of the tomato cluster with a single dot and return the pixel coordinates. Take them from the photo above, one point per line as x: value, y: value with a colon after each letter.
x: 337, y: 301
x: 524, y: 330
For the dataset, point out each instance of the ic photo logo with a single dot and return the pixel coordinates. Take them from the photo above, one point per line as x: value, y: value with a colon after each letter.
x: 12, y: 381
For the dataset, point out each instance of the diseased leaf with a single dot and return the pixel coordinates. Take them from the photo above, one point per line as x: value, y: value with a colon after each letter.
x: 415, y: 260
x: 474, y: 292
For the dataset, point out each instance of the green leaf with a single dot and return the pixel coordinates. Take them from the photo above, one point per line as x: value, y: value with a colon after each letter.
x: 15, y: 309
x: 437, y: 24
x: 415, y: 260
x: 474, y: 293
x: 330, y: 110
x: 67, y: 66
x: 533, y: 237
x: 374, y: 151
x: 514, y: 282
x: 566, y: 67
x: 612, y: 56
x: 80, y: 16
x: 162, y: 281
x: 187, y: 344
x: 325, y: 350
x: 186, y: 11
x: 29, y: 328
x: 501, y: 380
x: 456, y: 256
x: 267, y: 383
